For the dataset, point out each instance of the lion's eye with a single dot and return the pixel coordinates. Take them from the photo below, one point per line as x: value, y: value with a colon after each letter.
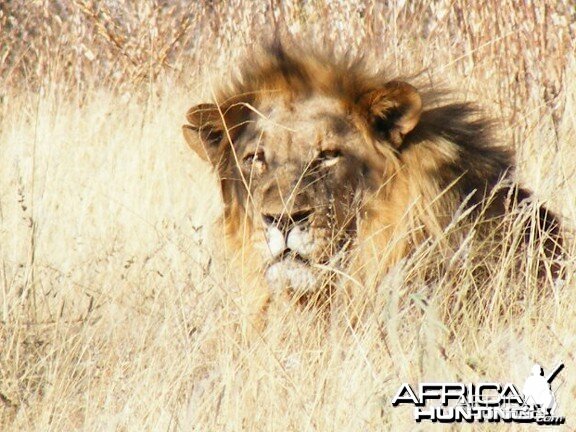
x: 329, y: 157
x: 254, y: 159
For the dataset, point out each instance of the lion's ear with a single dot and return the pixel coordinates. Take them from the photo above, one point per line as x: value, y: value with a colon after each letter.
x: 205, y: 131
x: 393, y: 110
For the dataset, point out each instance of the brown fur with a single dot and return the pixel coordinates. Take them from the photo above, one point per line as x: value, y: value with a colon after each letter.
x: 300, y: 138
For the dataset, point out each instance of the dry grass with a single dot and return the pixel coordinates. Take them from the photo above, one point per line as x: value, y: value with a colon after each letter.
x: 113, y: 315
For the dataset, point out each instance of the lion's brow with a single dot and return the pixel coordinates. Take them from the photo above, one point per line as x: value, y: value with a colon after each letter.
x: 336, y: 124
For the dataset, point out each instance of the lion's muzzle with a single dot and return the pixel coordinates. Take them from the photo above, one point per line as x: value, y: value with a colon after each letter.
x: 291, y: 248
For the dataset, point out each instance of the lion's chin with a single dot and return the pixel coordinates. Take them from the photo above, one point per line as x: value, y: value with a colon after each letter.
x: 291, y: 274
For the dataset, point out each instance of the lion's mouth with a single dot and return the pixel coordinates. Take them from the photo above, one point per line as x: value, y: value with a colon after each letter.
x: 290, y: 269
x: 298, y: 262
x: 288, y: 255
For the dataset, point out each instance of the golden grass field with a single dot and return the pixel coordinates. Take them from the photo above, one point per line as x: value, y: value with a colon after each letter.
x: 113, y: 316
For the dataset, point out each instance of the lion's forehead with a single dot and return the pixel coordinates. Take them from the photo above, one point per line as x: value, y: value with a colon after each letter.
x: 306, y: 122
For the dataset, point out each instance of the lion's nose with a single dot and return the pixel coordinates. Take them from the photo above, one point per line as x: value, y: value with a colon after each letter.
x: 286, y: 221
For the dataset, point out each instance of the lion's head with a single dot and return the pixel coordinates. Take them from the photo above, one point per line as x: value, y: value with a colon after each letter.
x: 316, y: 156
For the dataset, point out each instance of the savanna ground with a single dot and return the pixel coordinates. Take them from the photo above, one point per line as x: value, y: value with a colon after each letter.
x: 113, y: 316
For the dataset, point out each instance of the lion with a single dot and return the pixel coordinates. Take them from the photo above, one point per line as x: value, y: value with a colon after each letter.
x: 327, y: 167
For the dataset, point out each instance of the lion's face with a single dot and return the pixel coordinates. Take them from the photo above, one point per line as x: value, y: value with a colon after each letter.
x: 297, y: 172
x: 307, y: 172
